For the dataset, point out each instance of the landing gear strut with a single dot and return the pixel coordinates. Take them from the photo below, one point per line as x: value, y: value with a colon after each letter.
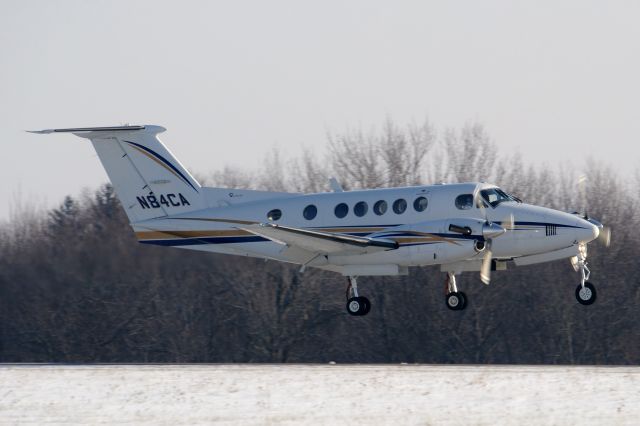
x: 585, y: 292
x: 456, y: 300
x: 356, y: 305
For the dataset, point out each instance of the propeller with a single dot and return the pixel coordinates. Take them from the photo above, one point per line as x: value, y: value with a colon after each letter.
x: 605, y: 232
x: 489, y: 232
x: 605, y: 236
x: 582, y: 249
x: 508, y: 223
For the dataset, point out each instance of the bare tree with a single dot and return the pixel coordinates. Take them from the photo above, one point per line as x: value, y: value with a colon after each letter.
x: 307, y: 174
x: 355, y: 160
x: 470, y: 154
x: 404, y: 152
x: 230, y: 177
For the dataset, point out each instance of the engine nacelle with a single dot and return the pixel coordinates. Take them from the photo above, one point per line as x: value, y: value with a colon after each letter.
x: 440, y: 241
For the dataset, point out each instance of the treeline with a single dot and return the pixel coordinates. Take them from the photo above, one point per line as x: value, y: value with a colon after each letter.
x: 75, y: 286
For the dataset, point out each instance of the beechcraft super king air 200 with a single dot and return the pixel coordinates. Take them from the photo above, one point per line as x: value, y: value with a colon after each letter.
x: 462, y: 227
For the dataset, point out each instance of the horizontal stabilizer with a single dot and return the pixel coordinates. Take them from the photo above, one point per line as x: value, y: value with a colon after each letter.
x: 88, y: 129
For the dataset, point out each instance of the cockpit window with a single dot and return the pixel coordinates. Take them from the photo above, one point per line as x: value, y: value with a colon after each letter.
x: 495, y: 196
x: 464, y: 201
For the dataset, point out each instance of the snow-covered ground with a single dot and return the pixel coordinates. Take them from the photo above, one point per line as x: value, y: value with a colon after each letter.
x: 319, y: 394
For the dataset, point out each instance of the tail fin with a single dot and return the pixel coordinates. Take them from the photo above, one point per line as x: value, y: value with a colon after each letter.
x: 148, y: 179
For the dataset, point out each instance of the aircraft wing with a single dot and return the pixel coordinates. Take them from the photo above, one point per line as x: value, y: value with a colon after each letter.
x: 320, y: 241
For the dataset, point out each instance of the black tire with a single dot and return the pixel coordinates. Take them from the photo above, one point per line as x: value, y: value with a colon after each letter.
x: 464, y: 301
x: 454, y: 301
x: 367, y: 306
x: 588, y: 295
x: 358, y: 306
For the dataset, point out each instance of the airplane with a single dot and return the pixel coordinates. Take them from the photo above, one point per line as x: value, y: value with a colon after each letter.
x: 377, y: 232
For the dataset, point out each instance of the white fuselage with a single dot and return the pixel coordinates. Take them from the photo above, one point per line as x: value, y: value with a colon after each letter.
x: 462, y: 227
x: 424, y: 237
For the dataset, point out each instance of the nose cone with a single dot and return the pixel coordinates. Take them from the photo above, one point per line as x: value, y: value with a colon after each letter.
x: 574, y: 228
x: 587, y: 231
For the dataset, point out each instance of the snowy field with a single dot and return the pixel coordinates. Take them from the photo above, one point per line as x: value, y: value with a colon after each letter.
x: 319, y: 394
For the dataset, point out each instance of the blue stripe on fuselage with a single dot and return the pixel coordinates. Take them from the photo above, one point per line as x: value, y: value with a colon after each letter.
x: 546, y: 224
x: 206, y: 240
x: 255, y: 238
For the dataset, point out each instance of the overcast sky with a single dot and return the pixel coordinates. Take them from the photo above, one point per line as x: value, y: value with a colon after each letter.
x: 556, y: 80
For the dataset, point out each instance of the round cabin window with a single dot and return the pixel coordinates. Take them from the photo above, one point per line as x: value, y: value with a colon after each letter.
x: 310, y: 212
x: 420, y: 204
x: 341, y: 210
x: 399, y: 206
x: 274, y: 214
x: 360, y: 209
x: 380, y: 207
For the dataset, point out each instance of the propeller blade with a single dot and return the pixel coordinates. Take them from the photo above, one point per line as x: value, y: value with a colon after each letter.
x: 582, y: 249
x: 479, y: 203
x: 485, y: 270
x: 605, y: 236
x: 509, y: 223
x: 574, y: 263
x: 582, y: 193
x: 605, y: 232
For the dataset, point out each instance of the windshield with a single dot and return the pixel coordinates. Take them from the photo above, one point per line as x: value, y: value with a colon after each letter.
x: 495, y: 196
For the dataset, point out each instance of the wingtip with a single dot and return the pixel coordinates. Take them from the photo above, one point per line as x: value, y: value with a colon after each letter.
x: 40, y: 132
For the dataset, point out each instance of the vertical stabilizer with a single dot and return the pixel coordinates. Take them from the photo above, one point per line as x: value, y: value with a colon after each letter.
x: 149, y: 181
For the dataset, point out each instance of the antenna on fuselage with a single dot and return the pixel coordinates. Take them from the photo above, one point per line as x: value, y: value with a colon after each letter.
x: 335, y: 185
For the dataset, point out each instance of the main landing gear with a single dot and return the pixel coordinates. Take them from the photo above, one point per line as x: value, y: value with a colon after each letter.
x: 456, y: 300
x: 585, y: 292
x: 356, y: 305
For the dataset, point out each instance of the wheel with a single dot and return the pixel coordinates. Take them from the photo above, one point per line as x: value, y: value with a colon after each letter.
x: 586, y: 295
x: 358, y: 306
x: 353, y: 306
x: 456, y: 301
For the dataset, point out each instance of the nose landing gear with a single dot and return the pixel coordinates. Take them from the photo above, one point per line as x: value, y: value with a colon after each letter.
x: 585, y: 292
